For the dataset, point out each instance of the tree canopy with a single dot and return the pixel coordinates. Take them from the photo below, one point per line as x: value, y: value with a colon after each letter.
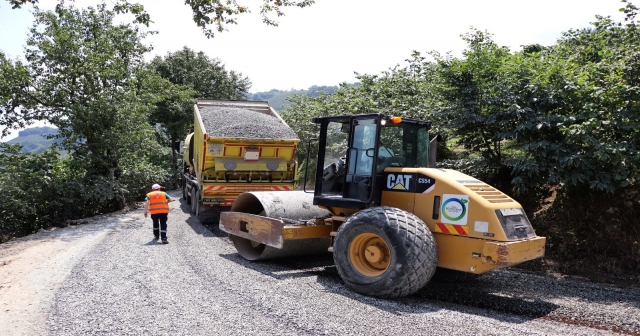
x: 210, y: 15
x: 198, y: 76
x: 565, y: 114
x: 86, y: 75
x: 193, y: 75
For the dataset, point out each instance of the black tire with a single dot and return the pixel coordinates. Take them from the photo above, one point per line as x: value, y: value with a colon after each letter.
x: 447, y: 275
x: 194, y: 201
x: 197, y: 202
x: 184, y: 189
x: 412, y: 250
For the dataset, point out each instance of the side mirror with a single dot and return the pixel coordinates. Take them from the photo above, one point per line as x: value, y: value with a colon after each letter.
x: 345, y: 128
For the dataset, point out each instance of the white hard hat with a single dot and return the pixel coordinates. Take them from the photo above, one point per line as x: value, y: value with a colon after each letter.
x: 156, y: 187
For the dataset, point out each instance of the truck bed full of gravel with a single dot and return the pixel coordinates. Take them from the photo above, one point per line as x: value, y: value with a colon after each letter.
x: 232, y: 122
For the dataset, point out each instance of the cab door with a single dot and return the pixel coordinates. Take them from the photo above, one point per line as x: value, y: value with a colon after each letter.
x: 361, y: 158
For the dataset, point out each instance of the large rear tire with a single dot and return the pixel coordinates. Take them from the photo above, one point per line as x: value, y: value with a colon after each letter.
x: 194, y: 201
x: 184, y: 189
x: 385, y: 252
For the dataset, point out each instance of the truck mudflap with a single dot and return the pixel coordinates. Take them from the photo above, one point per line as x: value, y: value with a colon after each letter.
x: 270, y: 231
x: 505, y: 254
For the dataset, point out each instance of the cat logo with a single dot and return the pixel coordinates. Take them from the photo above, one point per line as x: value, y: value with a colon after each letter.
x: 400, y: 182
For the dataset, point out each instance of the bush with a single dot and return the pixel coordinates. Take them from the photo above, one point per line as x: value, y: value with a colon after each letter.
x: 592, y: 231
x: 44, y: 190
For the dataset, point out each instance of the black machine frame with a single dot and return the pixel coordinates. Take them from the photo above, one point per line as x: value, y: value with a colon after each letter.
x: 366, y: 187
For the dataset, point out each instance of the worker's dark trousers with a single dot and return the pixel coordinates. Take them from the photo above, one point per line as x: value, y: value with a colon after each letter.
x: 162, y: 220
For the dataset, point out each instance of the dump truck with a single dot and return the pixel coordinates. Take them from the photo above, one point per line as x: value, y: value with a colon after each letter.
x: 236, y: 146
x: 388, y: 215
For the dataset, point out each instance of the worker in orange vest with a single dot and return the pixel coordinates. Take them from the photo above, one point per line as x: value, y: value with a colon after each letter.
x: 158, y: 206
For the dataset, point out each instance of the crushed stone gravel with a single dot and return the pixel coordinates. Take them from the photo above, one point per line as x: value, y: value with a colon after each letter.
x: 233, y: 122
x: 199, y: 285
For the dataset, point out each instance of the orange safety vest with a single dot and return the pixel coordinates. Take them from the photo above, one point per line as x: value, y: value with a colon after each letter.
x: 158, y: 203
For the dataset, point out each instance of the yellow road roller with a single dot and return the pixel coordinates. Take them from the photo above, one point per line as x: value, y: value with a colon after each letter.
x: 388, y: 215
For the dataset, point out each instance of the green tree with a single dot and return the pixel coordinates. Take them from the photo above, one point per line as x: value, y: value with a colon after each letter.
x: 405, y: 91
x: 205, y: 75
x: 86, y: 76
x: 206, y: 13
x: 192, y: 75
x: 583, y: 116
x: 34, y: 197
x: 14, y: 82
x: 479, y: 95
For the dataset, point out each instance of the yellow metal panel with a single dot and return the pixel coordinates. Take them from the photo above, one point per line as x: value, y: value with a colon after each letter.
x: 268, y: 152
x: 456, y: 252
x: 481, y: 207
x: 286, y: 152
x: 306, y: 232
x: 400, y: 200
x: 232, y: 151
x: 510, y: 253
x: 424, y: 209
x: 480, y: 256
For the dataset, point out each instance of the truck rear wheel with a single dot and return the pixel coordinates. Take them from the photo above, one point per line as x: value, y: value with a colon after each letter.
x: 195, y: 202
x: 385, y: 252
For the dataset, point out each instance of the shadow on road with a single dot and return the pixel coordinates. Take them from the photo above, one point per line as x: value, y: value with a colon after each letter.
x: 478, y: 293
x: 152, y: 242
x: 206, y: 224
x: 287, y: 268
x: 519, y: 296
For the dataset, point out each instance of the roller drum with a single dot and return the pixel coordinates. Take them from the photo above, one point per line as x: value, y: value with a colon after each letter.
x: 296, y: 205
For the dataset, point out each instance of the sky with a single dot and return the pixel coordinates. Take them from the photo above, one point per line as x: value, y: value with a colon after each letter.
x: 325, y: 44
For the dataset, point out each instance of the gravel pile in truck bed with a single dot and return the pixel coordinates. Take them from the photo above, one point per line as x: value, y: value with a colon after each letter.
x: 233, y: 122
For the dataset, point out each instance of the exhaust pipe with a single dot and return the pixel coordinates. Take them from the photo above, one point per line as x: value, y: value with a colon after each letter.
x: 433, y: 147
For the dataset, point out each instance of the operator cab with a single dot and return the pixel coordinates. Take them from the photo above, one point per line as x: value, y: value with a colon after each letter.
x: 354, y: 151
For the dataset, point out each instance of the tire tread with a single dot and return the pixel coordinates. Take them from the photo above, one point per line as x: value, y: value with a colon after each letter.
x: 419, y: 253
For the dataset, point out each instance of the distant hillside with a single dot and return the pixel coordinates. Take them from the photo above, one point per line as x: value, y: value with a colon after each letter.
x: 34, y: 139
x: 278, y: 98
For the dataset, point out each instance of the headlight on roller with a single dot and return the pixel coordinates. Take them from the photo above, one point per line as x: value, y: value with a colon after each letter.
x: 515, y: 223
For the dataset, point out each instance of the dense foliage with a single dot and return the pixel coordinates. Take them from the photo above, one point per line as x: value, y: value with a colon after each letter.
x: 34, y: 192
x: 197, y: 76
x: 85, y: 74
x: 561, y: 120
x: 560, y: 115
x: 555, y: 126
x: 206, y: 13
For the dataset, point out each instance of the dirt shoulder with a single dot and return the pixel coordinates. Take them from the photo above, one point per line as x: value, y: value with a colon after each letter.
x: 549, y: 267
x: 33, y: 267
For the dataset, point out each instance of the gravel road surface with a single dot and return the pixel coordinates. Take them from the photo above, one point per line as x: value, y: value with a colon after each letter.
x: 111, y: 277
